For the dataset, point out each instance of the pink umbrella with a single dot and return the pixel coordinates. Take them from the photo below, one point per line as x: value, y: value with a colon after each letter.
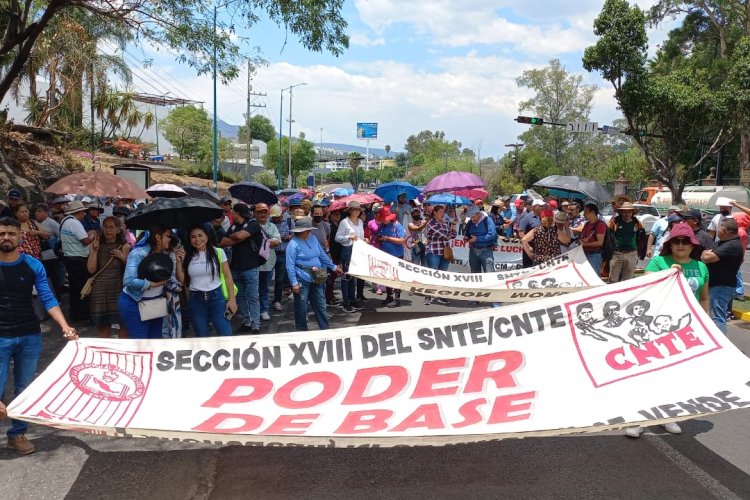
x: 362, y: 198
x: 98, y: 184
x: 472, y: 194
x: 452, y: 181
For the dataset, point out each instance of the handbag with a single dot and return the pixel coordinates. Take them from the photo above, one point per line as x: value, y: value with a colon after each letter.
x: 265, y: 247
x: 319, y: 274
x: 152, y: 308
x: 447, y: 253
x: 89, y: 285
x: 224, y: 289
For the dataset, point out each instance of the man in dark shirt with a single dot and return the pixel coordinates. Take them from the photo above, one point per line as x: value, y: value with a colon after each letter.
x: 693, y: 219
x: 15, y: 198
x: 723, y: 261
x: 626, y: 227
x: 529, y: 221
x: 245, y: 236
x: 20, y: 331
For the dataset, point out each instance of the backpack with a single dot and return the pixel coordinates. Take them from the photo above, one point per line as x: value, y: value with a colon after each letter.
x: 608, y: 247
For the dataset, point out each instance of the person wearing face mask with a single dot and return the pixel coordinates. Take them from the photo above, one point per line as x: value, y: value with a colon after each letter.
x: 725, y: 211
x: 321, y: 228
x: 415, y: 240
x: 271, y: 232
x: 541, y: 243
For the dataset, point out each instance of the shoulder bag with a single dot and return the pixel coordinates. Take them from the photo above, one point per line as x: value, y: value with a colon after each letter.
x: 152, y: 308
x: 89, y: 285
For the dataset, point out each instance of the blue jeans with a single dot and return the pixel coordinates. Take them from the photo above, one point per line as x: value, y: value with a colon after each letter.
x: 720, y: 303
x: 248, y: 301
x: 24, y: 351
x: 418, y: 256
x: 481, y: 260
x: 437, y: 261
x: 209, y: 306
x: 348, y: 283
x: 740, y: 291
x: 595, y: 259
x: 280, y: 282
x: 316, y: 296
x: 264, y: 282
x: 131, y: 316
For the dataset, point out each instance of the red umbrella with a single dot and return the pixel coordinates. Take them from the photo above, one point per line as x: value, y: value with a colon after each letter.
x: 472, y: 194
x: 362, y: 198
x: 98, y: 184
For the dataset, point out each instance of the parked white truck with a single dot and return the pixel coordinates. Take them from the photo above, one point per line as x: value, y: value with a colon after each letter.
x: 700, y: 197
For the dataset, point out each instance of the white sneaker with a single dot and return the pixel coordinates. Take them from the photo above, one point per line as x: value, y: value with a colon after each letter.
x: 672, y: 428
x: 634, y: 432
x: 277, y: 306
x: 265, y: 316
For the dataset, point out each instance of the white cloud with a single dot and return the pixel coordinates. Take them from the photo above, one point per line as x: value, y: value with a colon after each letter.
x: 365, y: 41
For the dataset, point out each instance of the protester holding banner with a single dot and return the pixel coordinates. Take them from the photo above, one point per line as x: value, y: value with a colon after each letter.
x: 542, y: 243
x: 481, y: 235
x: 207, y: 277
x: 306, y: 264
x: 20, y: 331
x: 724, y: 262
x: 392, y: 237
x: 675, y: 252
x: 438, y: 235
x: 350, y: 229
x: 334, y: 248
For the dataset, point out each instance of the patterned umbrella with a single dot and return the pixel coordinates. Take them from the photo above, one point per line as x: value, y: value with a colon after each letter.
x: 166, y: 191
x: 362, y: 198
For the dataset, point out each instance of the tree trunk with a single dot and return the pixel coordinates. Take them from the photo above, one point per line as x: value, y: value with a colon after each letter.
x: 745, y: 158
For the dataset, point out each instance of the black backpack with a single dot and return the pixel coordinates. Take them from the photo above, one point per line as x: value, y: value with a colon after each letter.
x: 608, y: 247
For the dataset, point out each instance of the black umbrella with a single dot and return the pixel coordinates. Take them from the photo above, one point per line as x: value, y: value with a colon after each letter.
x: 288, y: 192
x: 564, y: 185
x: 174, y: 213
x: 202, y: 193
x: 254, y: 193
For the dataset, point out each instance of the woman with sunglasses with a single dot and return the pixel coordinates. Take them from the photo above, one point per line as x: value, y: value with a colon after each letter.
x: 675, y: 253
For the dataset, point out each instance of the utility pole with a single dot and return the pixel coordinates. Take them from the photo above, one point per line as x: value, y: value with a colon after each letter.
x: 516, y: 164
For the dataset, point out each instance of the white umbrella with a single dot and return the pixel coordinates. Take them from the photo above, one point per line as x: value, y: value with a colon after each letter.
x: 166, y: 191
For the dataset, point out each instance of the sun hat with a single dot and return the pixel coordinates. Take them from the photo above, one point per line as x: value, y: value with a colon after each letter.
x: 674, y: 208
x: 497, y: 203
x: 561, y: 217
x: 626, y: 206
x: 302, y: 225
x: 96, y: 204
x: 354, y: 204
x: 471, y: 212
x: 682, y: 230
x: 275, y: 211
x: 156, y: 267
x: 74, y: 206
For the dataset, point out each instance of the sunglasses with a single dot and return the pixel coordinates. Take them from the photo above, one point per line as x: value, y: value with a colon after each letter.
x: 681, y: 241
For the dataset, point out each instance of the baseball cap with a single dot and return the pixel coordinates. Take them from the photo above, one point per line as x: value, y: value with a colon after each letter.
x: 15, y: 194
x: 693, y: 213
x: 538, y: 203
x: 275, y: 211
x: 518, y: 202
x: 552, y: 204
x: 242, y: 209
x: 547, y: 213
x: 471, y: 212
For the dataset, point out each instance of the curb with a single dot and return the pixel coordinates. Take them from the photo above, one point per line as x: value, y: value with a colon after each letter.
x: 741, y: 310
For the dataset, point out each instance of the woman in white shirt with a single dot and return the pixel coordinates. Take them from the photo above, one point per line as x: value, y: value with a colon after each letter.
x: 205, y: 266
x: 350, y: 230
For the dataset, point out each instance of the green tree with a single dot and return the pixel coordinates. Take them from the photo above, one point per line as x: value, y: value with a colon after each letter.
x: 387, y: 150
x: 559, y: 97
x: 261, y: 129
x: 504, y: 182
x: 678, y: 107
x: 267, y: 178
x: 187, y: 128
x: 303, y: 156
x: 183, y: 25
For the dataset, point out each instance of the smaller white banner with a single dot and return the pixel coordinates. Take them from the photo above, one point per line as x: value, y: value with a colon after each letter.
x: 567, y: 273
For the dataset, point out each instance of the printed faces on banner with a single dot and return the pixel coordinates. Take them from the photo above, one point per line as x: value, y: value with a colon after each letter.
x: 618, y: 336
x: 103, y: 387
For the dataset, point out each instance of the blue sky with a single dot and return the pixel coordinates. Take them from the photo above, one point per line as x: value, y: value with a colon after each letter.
x: 412, y: 65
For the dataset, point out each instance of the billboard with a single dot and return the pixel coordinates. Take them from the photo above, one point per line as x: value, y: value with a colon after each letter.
x: 367, y: 130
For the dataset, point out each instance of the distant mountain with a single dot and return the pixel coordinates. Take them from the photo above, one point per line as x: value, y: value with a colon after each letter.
x: 227, y: 130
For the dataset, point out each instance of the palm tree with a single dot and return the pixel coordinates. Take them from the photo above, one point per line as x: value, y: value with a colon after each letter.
x: 387, y: 150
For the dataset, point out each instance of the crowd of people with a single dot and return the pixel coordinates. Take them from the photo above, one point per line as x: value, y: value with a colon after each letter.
x: 164, y: 282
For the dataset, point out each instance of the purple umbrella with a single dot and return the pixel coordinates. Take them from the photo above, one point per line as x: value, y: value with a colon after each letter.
x: 452, y: 181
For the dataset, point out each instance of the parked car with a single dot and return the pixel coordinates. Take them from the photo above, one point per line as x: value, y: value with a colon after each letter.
x: 647, y: 214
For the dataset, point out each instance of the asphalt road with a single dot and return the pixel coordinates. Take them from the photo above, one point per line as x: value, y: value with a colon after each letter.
x: 709, y: 460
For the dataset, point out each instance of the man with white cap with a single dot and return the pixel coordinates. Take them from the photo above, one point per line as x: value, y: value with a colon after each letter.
x: 75, y: 241
x: 725, y: 210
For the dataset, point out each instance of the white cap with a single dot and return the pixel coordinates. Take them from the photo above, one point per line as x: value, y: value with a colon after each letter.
x: 723, y: 201
x: 538, y: 203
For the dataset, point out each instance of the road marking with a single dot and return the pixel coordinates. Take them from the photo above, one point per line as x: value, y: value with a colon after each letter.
x: 691, y: 468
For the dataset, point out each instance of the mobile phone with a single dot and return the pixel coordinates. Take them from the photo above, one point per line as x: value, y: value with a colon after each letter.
x: 228, y: 314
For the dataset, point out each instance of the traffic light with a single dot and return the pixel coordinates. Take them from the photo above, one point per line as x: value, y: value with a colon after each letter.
x: 530, y: 120
x: 630, y: 131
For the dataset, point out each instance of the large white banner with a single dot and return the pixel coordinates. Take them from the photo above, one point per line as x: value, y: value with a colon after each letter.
x: 638, y: 352
x: 568, y: 273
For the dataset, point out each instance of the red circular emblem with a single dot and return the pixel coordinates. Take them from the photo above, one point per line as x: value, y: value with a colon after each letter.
x: 107, y: 382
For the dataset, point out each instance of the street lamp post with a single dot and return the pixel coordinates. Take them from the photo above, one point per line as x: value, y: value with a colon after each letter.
x: 281, y: 108
x: 291, y: 95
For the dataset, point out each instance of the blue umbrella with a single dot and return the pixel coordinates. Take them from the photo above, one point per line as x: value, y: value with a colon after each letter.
x: 342, y: 191
x: 295, y: 197
x: 390, y: 191
x: 447, y: 199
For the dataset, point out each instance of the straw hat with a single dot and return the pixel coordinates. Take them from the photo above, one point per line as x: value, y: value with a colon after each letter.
x: 627, y: 206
